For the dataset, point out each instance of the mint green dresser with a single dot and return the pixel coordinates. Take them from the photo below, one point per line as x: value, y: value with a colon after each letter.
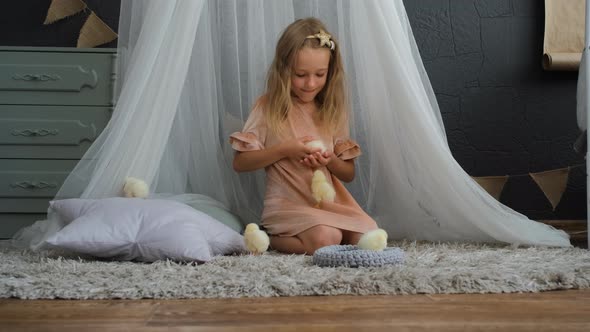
x: 54, y: 102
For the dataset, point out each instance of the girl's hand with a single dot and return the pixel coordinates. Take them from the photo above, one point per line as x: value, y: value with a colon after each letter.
x: 296, y: 148
x: 318, y: 159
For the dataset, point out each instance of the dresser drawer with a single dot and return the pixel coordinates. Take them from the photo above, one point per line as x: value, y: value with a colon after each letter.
x: 10, y: 223
x: 24, y: 205
x: 49, y: 132
x: 56, y: 78
x: 21, y: 178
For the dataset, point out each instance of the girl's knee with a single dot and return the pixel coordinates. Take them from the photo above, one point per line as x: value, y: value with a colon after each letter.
x: 350, y: 237
x: 323, y: 236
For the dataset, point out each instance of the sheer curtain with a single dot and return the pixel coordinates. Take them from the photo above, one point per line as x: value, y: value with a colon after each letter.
x: 190, y: 70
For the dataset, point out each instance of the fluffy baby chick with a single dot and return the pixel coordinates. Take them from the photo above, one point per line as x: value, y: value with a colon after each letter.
x: 321, y: 189
x: 135, y: 188
x: 256, y: 241
x: 373, y: 240
x: 317, y: 144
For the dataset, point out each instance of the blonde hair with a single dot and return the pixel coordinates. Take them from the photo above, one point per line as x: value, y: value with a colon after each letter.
x: 332, y: 100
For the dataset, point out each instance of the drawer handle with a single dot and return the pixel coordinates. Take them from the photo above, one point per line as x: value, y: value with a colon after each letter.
x: 33, y: 185
x: 34, y: 132
x: 36, y: 77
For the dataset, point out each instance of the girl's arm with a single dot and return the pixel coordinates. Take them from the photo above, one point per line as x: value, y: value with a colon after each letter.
x: 342, y: 169
x: 253, y: 160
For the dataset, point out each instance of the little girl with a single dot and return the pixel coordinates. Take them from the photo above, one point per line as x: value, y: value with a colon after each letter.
x: 305, y: 100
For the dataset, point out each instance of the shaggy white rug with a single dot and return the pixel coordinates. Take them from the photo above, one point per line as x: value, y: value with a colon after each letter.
x: 428, y: 268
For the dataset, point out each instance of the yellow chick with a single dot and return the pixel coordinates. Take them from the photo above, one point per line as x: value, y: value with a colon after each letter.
x: 321, y: 189
x: 373, y: 240
x: 135, y: 188
x: 317, y: 144
x: 256, y: 241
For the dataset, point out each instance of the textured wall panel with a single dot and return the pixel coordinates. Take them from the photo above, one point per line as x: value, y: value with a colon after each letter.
x: 503, y: 114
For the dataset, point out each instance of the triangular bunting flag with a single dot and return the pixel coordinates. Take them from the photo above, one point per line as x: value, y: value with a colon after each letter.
x: 492, y: 184
x: 59, y: 9
x: 95, y: 32
x: 552, y: 183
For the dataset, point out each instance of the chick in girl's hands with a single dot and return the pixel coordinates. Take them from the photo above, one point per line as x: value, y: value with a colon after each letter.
x: 317, y: 144
x: 321, y: 189
x: 320, y: 156
x: 256, y: 241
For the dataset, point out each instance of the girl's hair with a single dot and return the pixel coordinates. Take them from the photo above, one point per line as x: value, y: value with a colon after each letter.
x: 332, y: 99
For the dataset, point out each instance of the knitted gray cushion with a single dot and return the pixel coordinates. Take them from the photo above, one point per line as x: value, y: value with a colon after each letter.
x: 352, y: 256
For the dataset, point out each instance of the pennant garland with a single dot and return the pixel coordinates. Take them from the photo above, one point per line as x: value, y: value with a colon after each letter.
x: 552, y: 183
x: 60, y: 9
x: 94, y: 32
x: 492, y: 184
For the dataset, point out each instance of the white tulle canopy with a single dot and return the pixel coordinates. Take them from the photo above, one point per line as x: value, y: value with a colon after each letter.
x: 190, y: 71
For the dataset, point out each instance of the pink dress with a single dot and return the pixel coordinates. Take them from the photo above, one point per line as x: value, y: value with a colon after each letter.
x: 289, y: 207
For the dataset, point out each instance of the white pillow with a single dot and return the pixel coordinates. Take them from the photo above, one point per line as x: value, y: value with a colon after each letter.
x: 142, y: 229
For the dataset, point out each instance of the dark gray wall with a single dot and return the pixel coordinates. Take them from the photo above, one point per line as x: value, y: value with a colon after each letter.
x: 503, y: 113
x: 21, y: 23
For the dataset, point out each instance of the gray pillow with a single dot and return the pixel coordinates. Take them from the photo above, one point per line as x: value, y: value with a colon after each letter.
x: 208, y: 205
x: 220, y: 214
x: 142, y: 229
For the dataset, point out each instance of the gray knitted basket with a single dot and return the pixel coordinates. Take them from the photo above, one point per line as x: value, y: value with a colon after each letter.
x: 352, y: 256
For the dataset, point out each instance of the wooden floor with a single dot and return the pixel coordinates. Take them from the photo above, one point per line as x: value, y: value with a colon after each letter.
x: 547, y: 311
